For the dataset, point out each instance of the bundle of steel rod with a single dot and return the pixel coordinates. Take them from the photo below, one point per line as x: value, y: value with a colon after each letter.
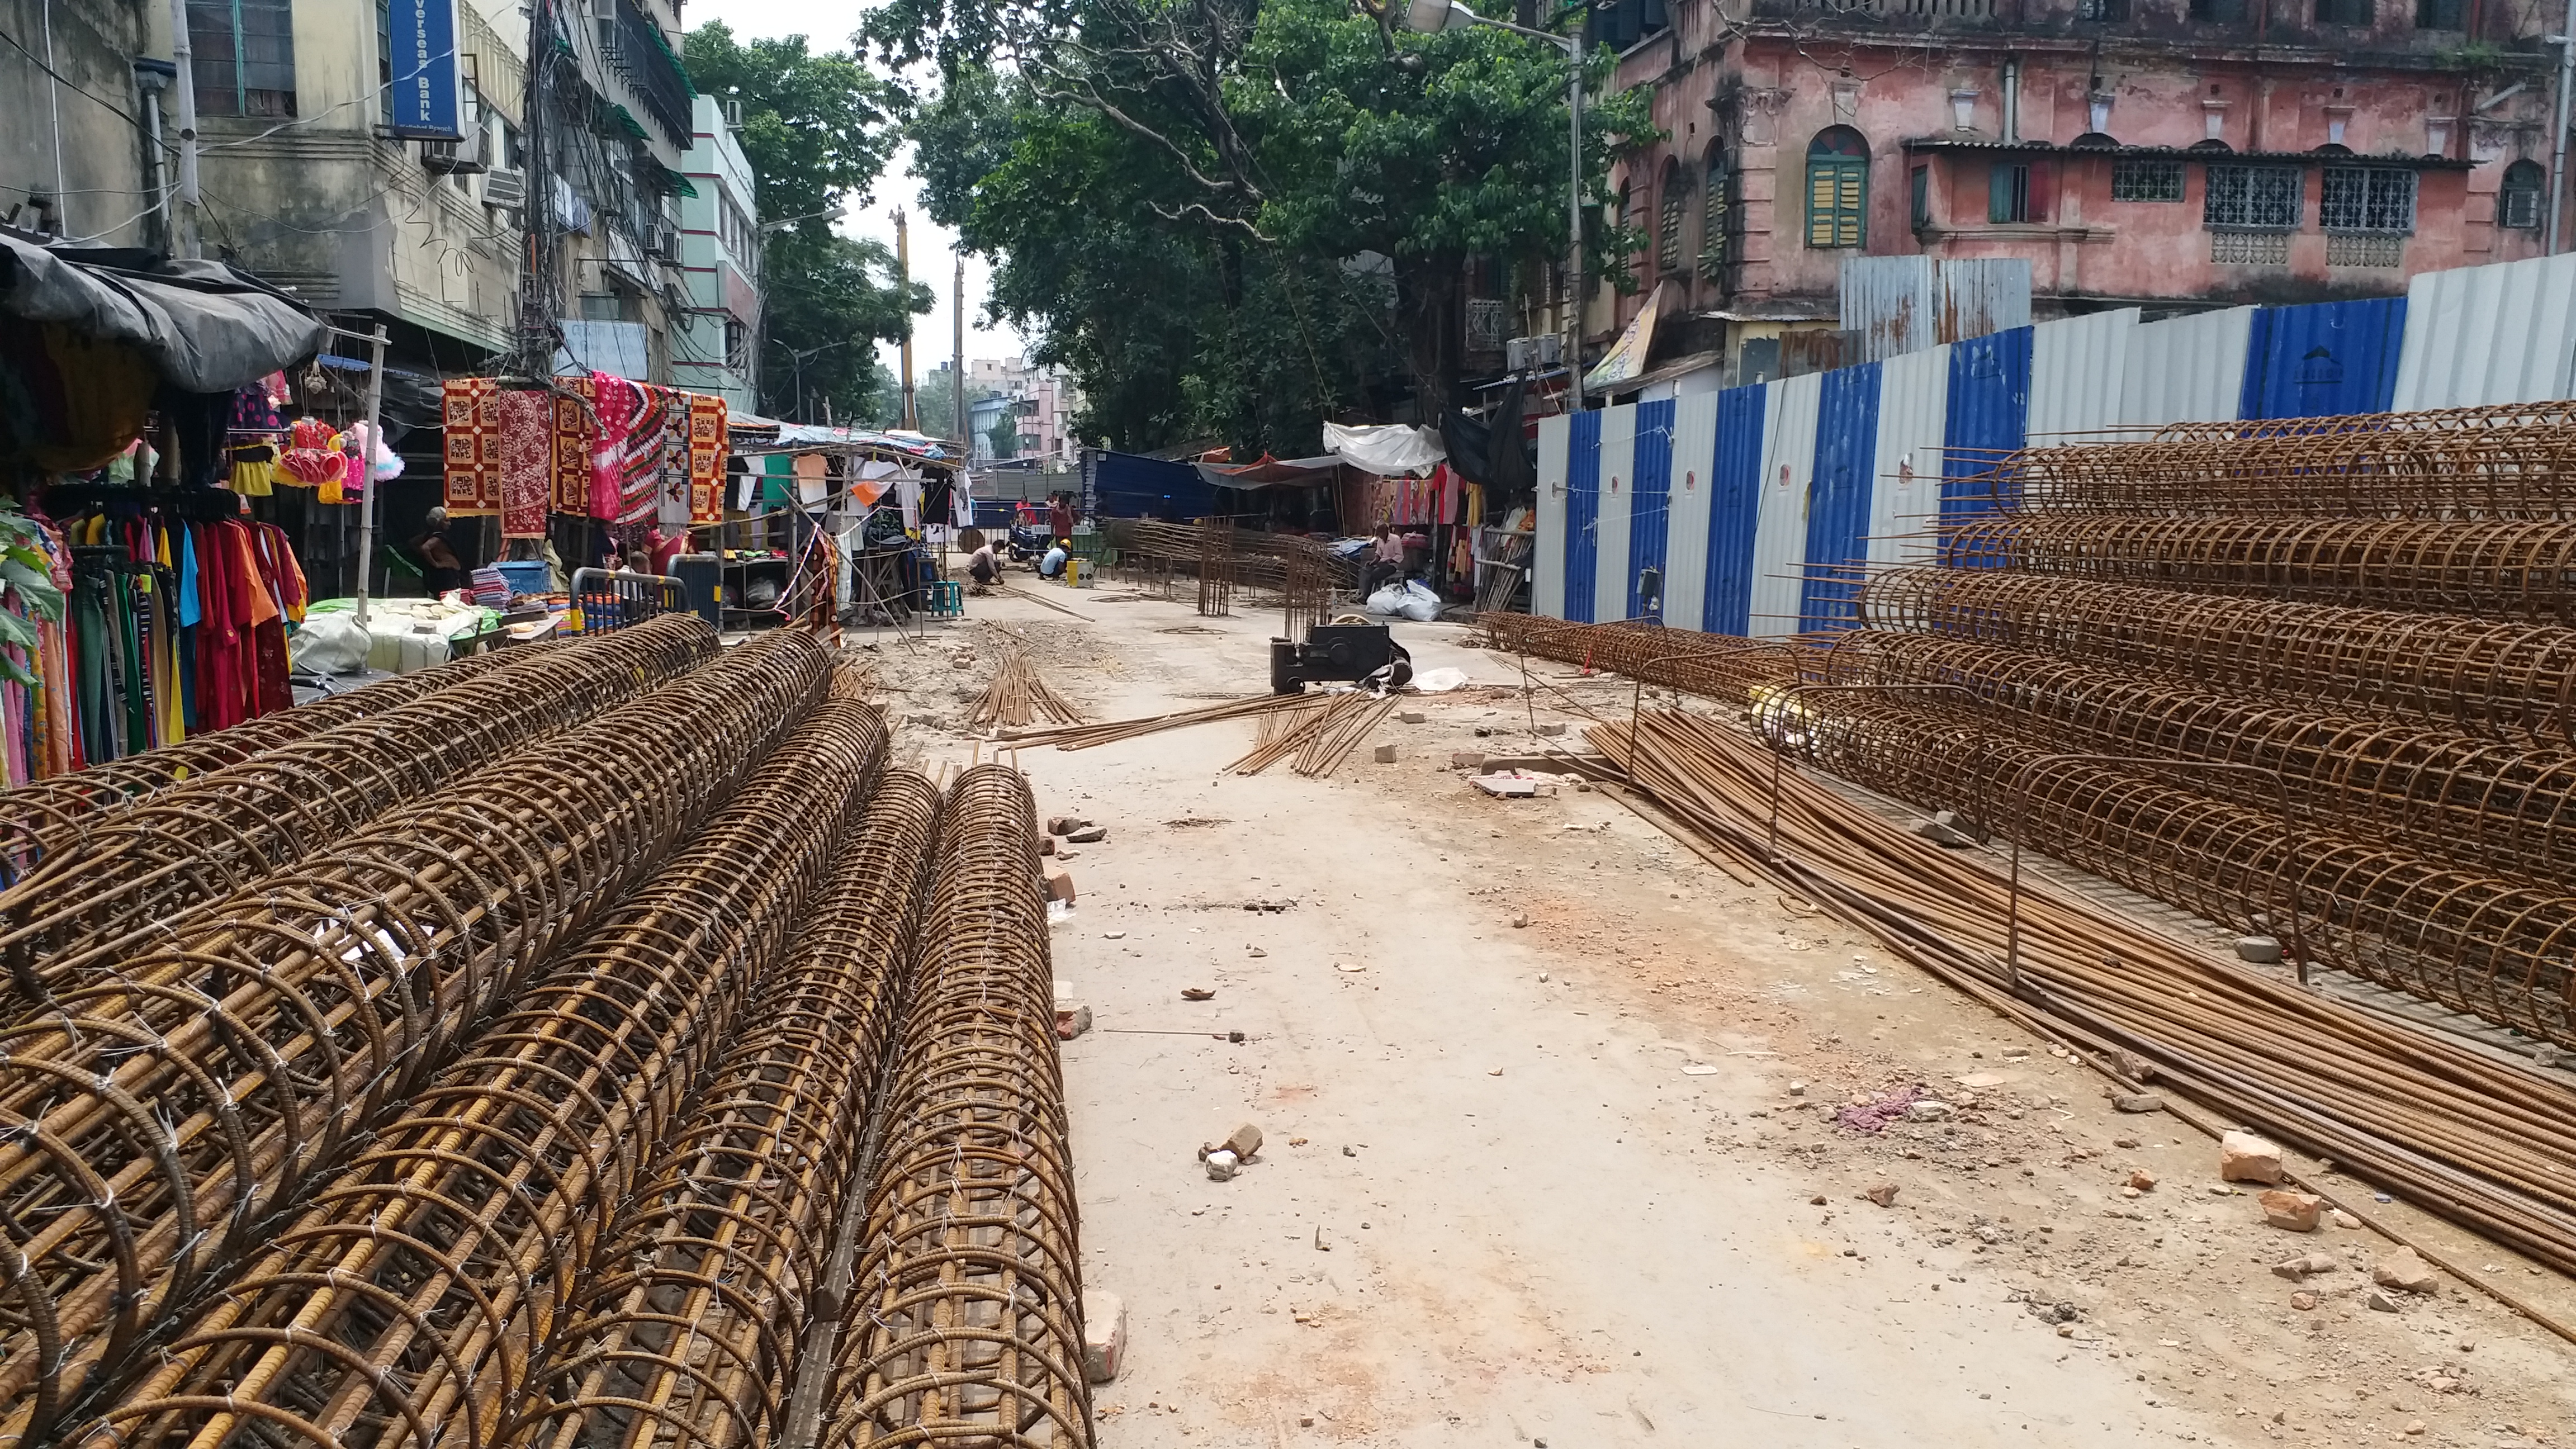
x: 197, y: 842
x: 407, y: 1303
x: 2474, y: 803
x: 965, y: 1319
x: 2351, y: 467
x: 164, y: 1111
x: 38, y: 818
x: 1216, y: 567
x: 689, y: 1336
x: 1280, y: 733
x: 1259, y: 556
x: 1353, y: 718
x: 1083, y: 737
x: 2474, y: 1139
x: 2497, y: 570
x: 2472, y: 942
x: 2502, y: 680
x: 1017, y: 694
x: 2480, y: 418
x: 1715, y: 665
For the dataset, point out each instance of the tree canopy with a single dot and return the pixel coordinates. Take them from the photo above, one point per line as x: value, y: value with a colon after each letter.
x: 818, y: 130
x: 1231, y: 221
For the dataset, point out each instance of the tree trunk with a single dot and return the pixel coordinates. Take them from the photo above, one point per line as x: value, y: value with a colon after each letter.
x: 1431, y: 293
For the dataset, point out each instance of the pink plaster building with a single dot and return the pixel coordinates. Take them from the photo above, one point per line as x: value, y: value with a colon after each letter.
x: 2173, y: 154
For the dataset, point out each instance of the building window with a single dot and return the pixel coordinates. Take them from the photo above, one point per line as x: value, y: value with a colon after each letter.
x: 2367, y: 198
x: 1713, y: 215
x: 2106, y: 11
x: 2254, y: 198
x: 2518, y: 200
x: 1838, y: 189
x: 2218, y: 12
x: 1919, y: 197
x: 2134, y: 180
x: 2343, y: 12
x: 1675, y: 199
x: 244, y: 56
x: 2007, y: 194
x: 2439, y: 15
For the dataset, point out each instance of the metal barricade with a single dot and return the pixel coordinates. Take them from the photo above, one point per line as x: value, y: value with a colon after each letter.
x: 603, y: 600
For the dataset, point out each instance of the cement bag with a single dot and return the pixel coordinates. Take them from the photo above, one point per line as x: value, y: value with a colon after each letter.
x: 1418, y: 602
x: 1388, y: 600
x: 327, y: 644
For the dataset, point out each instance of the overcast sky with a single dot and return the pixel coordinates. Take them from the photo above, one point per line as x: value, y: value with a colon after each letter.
x: 827, y: 26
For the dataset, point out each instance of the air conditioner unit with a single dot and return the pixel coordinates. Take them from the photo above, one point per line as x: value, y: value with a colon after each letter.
x: 1529, y: 354
x: 662, y: 239
x: 733, y: 113
x: 454, y: 158
x: 504, y: 188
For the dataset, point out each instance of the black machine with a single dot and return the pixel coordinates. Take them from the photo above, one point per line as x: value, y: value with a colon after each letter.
x: 1338, y: 651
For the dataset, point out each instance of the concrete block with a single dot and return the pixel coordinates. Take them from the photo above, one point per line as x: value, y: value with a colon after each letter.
x: 1087, y: 835
x: 1386, y: 754
x: 1466, y: 759
x: 2290, y: 1211
x: 1072, y: 1019
x: 2260, y: 950
x: 1413, y: 716
x: 1059, y: 885
x: 1065, y: 824
x: 2406, y: 1272
x: 1104, y: 1335
x: 1551, y: 729
x: 1046, y: 845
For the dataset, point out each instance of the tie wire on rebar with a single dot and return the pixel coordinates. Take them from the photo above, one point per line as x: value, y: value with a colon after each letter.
x: 411, y: 1301
x: 152, y: 1121
x: 965, y: 1318
x: 138, y: 874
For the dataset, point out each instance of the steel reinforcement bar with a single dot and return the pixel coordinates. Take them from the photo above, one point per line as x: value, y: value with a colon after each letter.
x: 2494, y: 948
x: 153, y: 1119
x: 142, y: 870
x: 407, y: 1303
x: 1718, y: 666
x: 689, y: 1337
x: 2497, y: 469
x: 2476, y: 804
x: 965, y: 1318
x: 2499, y: 680
x: 38, y: 817
x: 2495, y: 570
x: 2473, y: 1138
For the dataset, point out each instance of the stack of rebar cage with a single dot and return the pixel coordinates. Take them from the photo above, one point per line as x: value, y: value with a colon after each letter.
x: 497, y: 1057
x: 2314, y: 680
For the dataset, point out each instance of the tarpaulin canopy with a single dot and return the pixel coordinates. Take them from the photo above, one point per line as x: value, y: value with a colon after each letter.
x: 1273, y: 473
x: 206, y: 326
x: 1386, y: 449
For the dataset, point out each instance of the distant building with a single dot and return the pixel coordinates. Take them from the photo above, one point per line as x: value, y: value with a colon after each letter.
x: 716, y: 344
x: 2168, y: 154
x: 625, y: 119
x: 1042, y: 400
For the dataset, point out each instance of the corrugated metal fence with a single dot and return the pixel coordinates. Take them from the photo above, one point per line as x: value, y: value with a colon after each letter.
x: 1753, y: 507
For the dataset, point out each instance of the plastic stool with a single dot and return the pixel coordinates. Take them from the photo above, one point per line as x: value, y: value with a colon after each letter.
x: 948, y: 600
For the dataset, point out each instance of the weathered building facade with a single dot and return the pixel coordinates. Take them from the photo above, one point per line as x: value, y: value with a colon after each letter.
x: 73, y: 148
x: 715, y: 347
x: 2169, y: 154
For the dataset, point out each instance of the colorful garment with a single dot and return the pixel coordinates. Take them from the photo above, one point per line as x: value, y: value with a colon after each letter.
x: 636, y: 423
x: 576, y: 443
x: 312, y: 455
x: 707, y: 450
x: 254, y: 472
x: 527, y: 462
x: 470, y: 426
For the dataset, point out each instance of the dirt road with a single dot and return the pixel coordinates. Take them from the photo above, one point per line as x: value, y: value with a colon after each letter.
x: 1576, y: 1182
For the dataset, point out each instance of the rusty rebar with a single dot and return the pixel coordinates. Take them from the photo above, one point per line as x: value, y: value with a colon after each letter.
x: 37, y: 817
x: 2478, y: 804
x: 689, y: 1336
x: 155, y: 1117
x: 2500, y: 680
x: 965, y: 1319
x: 408, y: 1302
x: 2496, y: 948
x: 1717, y: 666
x: 2496, y: 570
x: 140, y: 872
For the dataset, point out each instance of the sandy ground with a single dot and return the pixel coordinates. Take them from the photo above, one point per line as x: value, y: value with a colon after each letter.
x: 1576, y: 1183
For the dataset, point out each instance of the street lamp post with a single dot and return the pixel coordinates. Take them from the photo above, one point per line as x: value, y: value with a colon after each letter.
x: 1438, y: 15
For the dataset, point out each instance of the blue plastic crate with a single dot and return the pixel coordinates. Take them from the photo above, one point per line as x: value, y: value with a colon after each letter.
x: 526, y: 576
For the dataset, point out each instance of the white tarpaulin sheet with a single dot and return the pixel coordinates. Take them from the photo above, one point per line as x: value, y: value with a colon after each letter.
x: 1387, y: 449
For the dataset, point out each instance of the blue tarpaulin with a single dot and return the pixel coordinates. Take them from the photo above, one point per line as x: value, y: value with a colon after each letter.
x: 1734, y: 506
x: 1130, y: 485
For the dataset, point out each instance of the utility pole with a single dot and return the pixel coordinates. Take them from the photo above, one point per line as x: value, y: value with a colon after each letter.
x: 903, y: 299
x: 536, y: 209
x: 2566, y: 41
x: 367, y: 465
x: 957, y: 366
x: 183, y: 103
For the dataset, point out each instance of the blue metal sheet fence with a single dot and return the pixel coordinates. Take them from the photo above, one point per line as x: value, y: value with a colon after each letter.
x: 1734, y: 508
x: 1649, y: 501
x: 1839, y: 496
x: 1989, y: 416
x: 1582, y: 515
x: 2323, y: 360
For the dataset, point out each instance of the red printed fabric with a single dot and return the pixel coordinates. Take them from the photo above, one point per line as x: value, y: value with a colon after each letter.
x: 707, y: 448
x: 471, y: 425
x: 527, y: 462
x: 639, y: 429
x: 576, y: 442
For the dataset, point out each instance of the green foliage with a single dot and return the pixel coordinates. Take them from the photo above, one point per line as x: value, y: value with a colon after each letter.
x: 29, y: 584
x: 817, y: 129
x: 1236, y: 223
x: 1004, y: 435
